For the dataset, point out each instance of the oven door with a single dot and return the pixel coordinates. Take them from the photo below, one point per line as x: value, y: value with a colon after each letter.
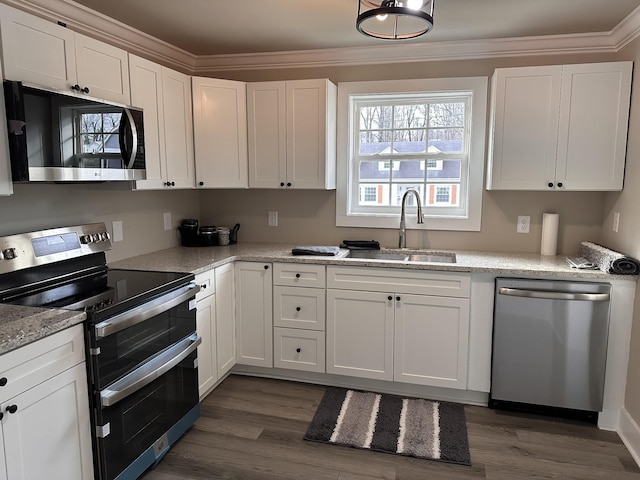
x: 141, y: 415
x: 119, y: 344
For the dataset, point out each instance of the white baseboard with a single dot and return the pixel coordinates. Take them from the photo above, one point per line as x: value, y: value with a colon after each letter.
x: 629, y: 432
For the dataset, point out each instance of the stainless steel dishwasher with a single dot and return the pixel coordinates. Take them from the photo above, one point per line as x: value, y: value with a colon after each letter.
x: 550, y: 346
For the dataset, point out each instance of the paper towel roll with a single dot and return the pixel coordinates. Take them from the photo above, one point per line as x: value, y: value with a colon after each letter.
x: 549, y: 243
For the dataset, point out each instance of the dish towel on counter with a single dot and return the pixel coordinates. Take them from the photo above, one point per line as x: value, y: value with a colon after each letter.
x: 609, y: 261
x: 316, y: 250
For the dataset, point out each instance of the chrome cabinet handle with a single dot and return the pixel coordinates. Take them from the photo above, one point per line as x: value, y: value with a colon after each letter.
x: 149, y: 371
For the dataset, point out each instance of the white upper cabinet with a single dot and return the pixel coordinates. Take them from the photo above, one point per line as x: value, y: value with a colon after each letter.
x: 292, y: 134
x: 220, y: 133
x: 167, y: 124
x: 6, y: 186
x: 40, y: 52
x: 560, y: 127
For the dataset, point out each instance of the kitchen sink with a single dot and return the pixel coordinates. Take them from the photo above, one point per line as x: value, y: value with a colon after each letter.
x: 437, y: 257
x: 427, y: 257
x: 378, y: 255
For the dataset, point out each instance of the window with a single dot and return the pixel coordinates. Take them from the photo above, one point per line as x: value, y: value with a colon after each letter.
x: 428, y: 136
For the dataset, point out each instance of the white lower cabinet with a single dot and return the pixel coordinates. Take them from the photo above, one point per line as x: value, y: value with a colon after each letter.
x: 298, y: 349
x: 360, y: 334
x: 254, y: 314
x: 215, y: 323
x: 399, y: 334
x: 45, y: 410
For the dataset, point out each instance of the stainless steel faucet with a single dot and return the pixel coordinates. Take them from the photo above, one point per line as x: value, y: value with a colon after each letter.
x: 403, y: 228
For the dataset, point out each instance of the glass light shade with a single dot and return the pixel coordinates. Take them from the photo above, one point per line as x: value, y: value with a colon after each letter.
x: 395, y: 19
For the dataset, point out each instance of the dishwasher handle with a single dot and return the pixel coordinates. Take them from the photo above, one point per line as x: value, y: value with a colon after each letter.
x: 554, y: 295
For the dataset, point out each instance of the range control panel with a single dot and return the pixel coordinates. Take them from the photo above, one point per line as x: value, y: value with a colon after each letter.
x: 27, y: 250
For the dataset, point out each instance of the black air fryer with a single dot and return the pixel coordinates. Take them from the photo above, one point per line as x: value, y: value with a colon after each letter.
x: 189, y: 233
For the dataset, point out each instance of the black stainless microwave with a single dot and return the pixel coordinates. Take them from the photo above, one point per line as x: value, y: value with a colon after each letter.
x: 66, y: 137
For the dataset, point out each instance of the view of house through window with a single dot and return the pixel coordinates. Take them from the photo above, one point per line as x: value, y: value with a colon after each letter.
x: 410, y: 141
x: 99, y: 132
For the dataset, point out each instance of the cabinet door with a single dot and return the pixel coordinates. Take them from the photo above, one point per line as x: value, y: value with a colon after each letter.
x: 310, y: 134
x: 206, y: 328
x: 103, y: 69
x: 524, y: 128
x: 6, y: 186
x: 594, y: 117
x: 360, y: 334
x: 37, y: 51
x: 178, y: 128
x: 49, y: 434
x: 220, y: 133
x: 254, y: 314
x: 298, y: 307
x: 146, y: 93
x: 3, y: 463
x: 431, y: 340
x: 267, y: 136
x: 299, y: 349
x: 225, y: 318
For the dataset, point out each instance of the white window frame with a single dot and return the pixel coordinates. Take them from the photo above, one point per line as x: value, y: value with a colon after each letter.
x: 347, y: 91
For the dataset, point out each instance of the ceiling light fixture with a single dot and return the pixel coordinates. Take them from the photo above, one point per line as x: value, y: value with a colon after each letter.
x: 395, y: 19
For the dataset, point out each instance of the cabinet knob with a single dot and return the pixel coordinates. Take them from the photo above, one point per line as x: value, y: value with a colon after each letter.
x: 550, y: 184
x: 201, y: 183
x: 559, y: 184
x: 3, y: 381
x: 288, y: 184
x: 75, y: 87
x: 298, y: 350
x: 282, y: 184
x: 266, y: 267
x: 173, y: 184
x: 297, y: 275
x: 1, y: 415
x: 389, y: 298
x: 203, y: 286
x: 298, y: 309
x: 398, y: 298
x: 12, y: 408
x: 85, y: 90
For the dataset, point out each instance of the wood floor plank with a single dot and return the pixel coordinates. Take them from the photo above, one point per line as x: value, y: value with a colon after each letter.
x: 252, y: 429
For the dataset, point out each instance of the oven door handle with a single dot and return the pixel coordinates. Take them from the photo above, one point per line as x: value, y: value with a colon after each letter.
x: 149, y: 371
x: 145, y: 311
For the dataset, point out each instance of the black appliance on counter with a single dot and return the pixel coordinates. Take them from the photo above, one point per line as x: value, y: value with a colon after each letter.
x: 140, y: 333
x: 192, y: 235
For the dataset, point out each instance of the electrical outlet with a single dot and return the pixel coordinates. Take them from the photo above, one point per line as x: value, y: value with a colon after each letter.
x: 117, y: 231
x: 167, y: 221
x: 273, y: 219
x: 523, y: 224
x: 616, y: 221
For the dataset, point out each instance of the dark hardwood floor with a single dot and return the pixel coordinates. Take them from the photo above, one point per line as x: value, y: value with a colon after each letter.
x: 252, y: 428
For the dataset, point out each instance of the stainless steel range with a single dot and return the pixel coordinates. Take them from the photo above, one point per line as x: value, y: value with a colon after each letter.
x: 140, y: 339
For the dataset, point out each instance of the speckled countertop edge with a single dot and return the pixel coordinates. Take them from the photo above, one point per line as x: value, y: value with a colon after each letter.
x: 201, y: 259
x: 20, y: 325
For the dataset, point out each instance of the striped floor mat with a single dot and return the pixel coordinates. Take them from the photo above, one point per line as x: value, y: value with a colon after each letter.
x: 389, y: 423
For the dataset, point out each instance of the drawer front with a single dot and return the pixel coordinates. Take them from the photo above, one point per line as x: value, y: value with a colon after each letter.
x: 387, y: 280
x: 36, y: 362
x: 296, y: 307
x: 299, y: 349
x: 207, y: 284
x: 299, y: 275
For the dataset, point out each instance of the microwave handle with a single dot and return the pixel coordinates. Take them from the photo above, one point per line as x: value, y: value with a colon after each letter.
x: 149, y: 371
x: 129, y: 154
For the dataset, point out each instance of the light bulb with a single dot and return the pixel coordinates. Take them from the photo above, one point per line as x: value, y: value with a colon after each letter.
x: 415, y: 4
x: 382, y: 18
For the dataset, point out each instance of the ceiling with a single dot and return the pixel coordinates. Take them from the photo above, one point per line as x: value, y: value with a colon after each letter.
x: 215, y: 27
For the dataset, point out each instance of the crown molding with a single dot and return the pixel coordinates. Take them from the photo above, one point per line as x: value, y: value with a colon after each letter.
x: 91, y: 23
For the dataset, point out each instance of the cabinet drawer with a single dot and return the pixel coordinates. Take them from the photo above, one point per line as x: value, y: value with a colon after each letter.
x: 36, y: 362
x: 297, y: 307
x: 207, y: 284
x: 420, y: 282
x: 299, y: 349
x: 299, y: 275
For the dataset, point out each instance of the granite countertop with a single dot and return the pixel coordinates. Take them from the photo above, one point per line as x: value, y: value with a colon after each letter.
x: 201, y: 259
x: 22, y: 325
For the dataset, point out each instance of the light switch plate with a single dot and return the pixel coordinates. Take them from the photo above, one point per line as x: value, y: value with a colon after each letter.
x: 616, y: 221
x: 273, y: 219
x: 117, y: 231
x: 167, y: 221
